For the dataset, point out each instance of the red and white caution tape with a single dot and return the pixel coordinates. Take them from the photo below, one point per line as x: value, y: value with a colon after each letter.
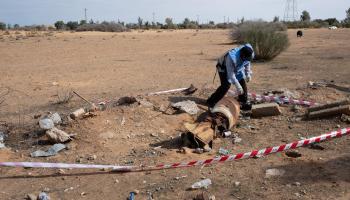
x: 277, y: 99
x: 215, y: 160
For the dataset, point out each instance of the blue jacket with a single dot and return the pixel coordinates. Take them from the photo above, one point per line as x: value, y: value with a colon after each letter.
x: 236, y: 68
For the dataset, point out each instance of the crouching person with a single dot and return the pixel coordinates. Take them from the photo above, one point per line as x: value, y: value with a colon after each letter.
x: 234, y: 67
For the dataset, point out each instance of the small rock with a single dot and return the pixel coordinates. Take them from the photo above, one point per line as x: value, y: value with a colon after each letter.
x: 345, y: 118
x: 83, y: 194
x: 31, y: 197
x: 136, y: 191
x: 185, y: 150
x: 212, y: 197
x: 274, y: 172
x: 202, y: 184
x: 303, y: 192
x: 43, y: 196
x: 237, y: 183
x: 293, y: 154
x: 338, y: 126
x: 116, y: 181
x: 46, y: 190
x: 2, y: 138
x: 56, y: 135
x: 188, y: 106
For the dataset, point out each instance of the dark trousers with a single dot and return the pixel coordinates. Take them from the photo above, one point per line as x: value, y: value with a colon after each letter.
x: 223, y: 89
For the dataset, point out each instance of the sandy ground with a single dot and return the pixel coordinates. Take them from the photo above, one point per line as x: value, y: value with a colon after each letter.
x: 40, y: 69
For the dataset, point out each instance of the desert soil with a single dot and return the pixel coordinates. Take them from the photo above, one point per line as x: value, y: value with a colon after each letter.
x: 40, y: 69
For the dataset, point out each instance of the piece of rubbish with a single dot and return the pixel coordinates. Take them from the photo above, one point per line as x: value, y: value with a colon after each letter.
x: 236, y: 139
x: 198, y: 151
x: 77, y: 113
x: 43, y: 196
x: 46, y: 123
x: 131, y: 196
x: 126, y: 101
x: 274, y: 172
x: 201, y: 184
x: 188, y: 106
x: 329, y: 112
x: 265, y: 109
x: 345, y: 118
x: 227, y: 133
x: 293, y: 154
x: 56, y: 118
x: 87, y: 101
x: 224, y: 152
x: 2, y: 139
x: 56, y: 135
x: 53, y: 150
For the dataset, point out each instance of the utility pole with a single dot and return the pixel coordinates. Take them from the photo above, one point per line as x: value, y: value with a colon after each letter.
x: 224, y: 19
x: 85, y: 10
x: 153, y: 17
x: 198, y: 19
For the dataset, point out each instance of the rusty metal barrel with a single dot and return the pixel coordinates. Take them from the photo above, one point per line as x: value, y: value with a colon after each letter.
x: 230, y: 108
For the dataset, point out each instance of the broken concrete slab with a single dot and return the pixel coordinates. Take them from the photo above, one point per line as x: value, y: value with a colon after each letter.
x: 329, y: 112
x: 188, y: 106
x: 56, y: 118
x: 266, y: 109
x: 56, y: 135
x: 329, y: 105
x: 53, y: 150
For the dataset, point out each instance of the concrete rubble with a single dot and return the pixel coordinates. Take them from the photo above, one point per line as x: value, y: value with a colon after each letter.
x: 56, y: 135
x: 188, y: 106
x: 266, y: 109
x: 336, y: 108
x: 52, y: 151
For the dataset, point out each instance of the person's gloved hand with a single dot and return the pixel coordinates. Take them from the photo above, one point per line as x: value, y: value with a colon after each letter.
x: 248, y: 79
x: 239, y: 88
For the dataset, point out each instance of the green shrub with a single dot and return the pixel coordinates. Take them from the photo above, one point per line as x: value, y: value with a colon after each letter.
x: 103, y: 27
x: 2, y: 26
x: 267, y: 38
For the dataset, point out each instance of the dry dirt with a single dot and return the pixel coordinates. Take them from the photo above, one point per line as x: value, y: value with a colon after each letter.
x: 39, y: 69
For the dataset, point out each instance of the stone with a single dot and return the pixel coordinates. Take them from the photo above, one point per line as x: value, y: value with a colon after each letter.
x: 56, y: 135
x: 188, y: 106
x: 266, y: 109
x: 107, y: 135
x: 2, y: 138
x: 53, y: 150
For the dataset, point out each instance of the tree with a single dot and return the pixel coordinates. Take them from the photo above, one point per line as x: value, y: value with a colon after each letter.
x: 16, y: 26
x: 2, y: 26
x: 276, y: 19
x: 348, y: 14
x: 82, y: 22
x: 140, y: 22
x: 332, y: 21
x: 72, y: 25
x: 169, y: 23
x: 305, y: 16
x: 59, y: 25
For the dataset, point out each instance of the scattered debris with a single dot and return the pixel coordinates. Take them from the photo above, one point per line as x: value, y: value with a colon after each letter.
x: 56, y: 118
x: 330, y: 109
x: 43, y: 196
x: 145, y: 103
x: 274, y: 172
x: 201, y: 184
x: 266, y: 109
x: 2, y: 138
x: 236, y: 139
x: 204, y: 196
x: 131, y: 196
x: 31, y: 197
x: 224, y: 152
x: 189, y: 90
x: 188, y: 106
x: 53, y: 150
x: 237, y: 184
x: 315, y: 85
x: 77, y: 113
x: 46, y: 124
x: 293, y: 154
x: 56, y: 135
x: 227, y: 134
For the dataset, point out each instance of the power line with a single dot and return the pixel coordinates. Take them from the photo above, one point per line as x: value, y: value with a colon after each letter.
x: 291, y: 10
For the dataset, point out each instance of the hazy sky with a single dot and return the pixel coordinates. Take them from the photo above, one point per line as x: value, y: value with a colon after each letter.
x: 26, y: 12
